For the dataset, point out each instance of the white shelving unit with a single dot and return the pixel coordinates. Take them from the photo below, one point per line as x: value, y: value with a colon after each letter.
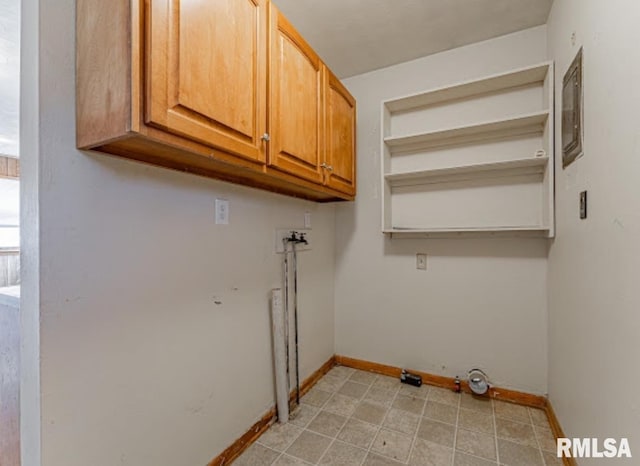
x: 474, y: 158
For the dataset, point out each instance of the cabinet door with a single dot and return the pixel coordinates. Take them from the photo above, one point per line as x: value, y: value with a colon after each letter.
x: 295, y: 102
x: 206, y: 72
x: 340, y: 149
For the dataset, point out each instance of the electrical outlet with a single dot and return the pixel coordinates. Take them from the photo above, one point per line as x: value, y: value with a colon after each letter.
x: 583, y: 205
x: 421, y: 261
x: 307, y: 219
x: 281, y: 234
x: 222, y: 212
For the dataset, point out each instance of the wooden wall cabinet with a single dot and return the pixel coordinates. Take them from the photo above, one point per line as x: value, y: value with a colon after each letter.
x: 225, y: 89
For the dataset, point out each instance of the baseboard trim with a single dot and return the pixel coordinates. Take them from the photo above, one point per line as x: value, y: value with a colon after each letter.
x: 250, y: 436
x: 241, y: 444
x: 310, y: 381
x: 503, y: 394
x: 557, y: 431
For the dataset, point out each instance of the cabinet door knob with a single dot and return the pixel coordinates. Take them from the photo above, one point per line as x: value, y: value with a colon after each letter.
x: 266, y: 137
x: 328, y: 167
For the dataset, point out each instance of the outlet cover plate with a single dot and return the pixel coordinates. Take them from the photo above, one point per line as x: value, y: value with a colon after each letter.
x: 421, y: 261
x: 222, y: 212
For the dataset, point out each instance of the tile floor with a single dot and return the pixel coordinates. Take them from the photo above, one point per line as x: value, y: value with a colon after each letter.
x: 352, y: 418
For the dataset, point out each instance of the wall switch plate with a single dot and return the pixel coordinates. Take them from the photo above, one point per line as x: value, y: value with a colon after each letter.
x: 421, y: 261
x: 286, y: 232
x: 222, y: 212
x: 307, y: 219
x: 583, y: 205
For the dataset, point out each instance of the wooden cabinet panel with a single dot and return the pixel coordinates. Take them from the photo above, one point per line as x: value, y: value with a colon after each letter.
x: 295, y: 102
x: 340, y: 149
x: 207, y: 72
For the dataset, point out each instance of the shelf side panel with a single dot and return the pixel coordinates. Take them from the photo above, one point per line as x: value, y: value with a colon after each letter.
x: 548, y: 138
x: 385, y: 167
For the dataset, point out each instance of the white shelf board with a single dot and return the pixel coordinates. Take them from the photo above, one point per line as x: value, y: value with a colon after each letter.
x: 520, y: 77
x: 517, y: 167
x: 530, y: 230
x: 532, y: 123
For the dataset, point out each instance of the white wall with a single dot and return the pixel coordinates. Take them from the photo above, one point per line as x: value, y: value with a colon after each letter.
x: 482, y: 302
x: 138, y: 365
x: 593, y: 264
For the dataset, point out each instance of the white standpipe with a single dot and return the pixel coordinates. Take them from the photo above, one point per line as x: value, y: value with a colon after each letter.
x: 279, y: 355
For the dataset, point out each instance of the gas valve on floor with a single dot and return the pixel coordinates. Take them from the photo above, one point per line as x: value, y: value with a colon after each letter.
x: 411, y: 379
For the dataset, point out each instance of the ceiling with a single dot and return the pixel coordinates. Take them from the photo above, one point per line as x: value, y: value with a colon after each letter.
x: 356, y: 36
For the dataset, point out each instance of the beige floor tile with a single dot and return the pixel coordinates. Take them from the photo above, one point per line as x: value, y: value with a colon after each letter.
x: 546, y: 439
x: 476, y: 421
x: 364, y: 377
x: 514, y: 454
x: 303, y: 415
x: 341, y: 404
x: 409, y: 403
x: 377, y: 460
x: 380, y: 396
x: 256, y: 455
x: 387, y: 383
x: 309, y: 446
x: 341, y: 454
x: 327, y: 423
x: 392, y: 444
x: 418, y: 392
x: 444, y: 395
x: 436, y: 432
x: 441, y: 412
x: 539, y: 417
x: 550, y: 459
x: 316, y: 397
x: 370, y: 412
x: 476, y: 444
x: 353, y: 389
x: 402, y: 421
x: 358, y: 433
x: 341, y: 372
x: 511, y: 411
x: 476, y: 403
x: 279, y: 436
x: 330, y: 383
x: 462, y: 459
x: 516, y: 432
x: 286, y: 460
x: 430, y: 454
